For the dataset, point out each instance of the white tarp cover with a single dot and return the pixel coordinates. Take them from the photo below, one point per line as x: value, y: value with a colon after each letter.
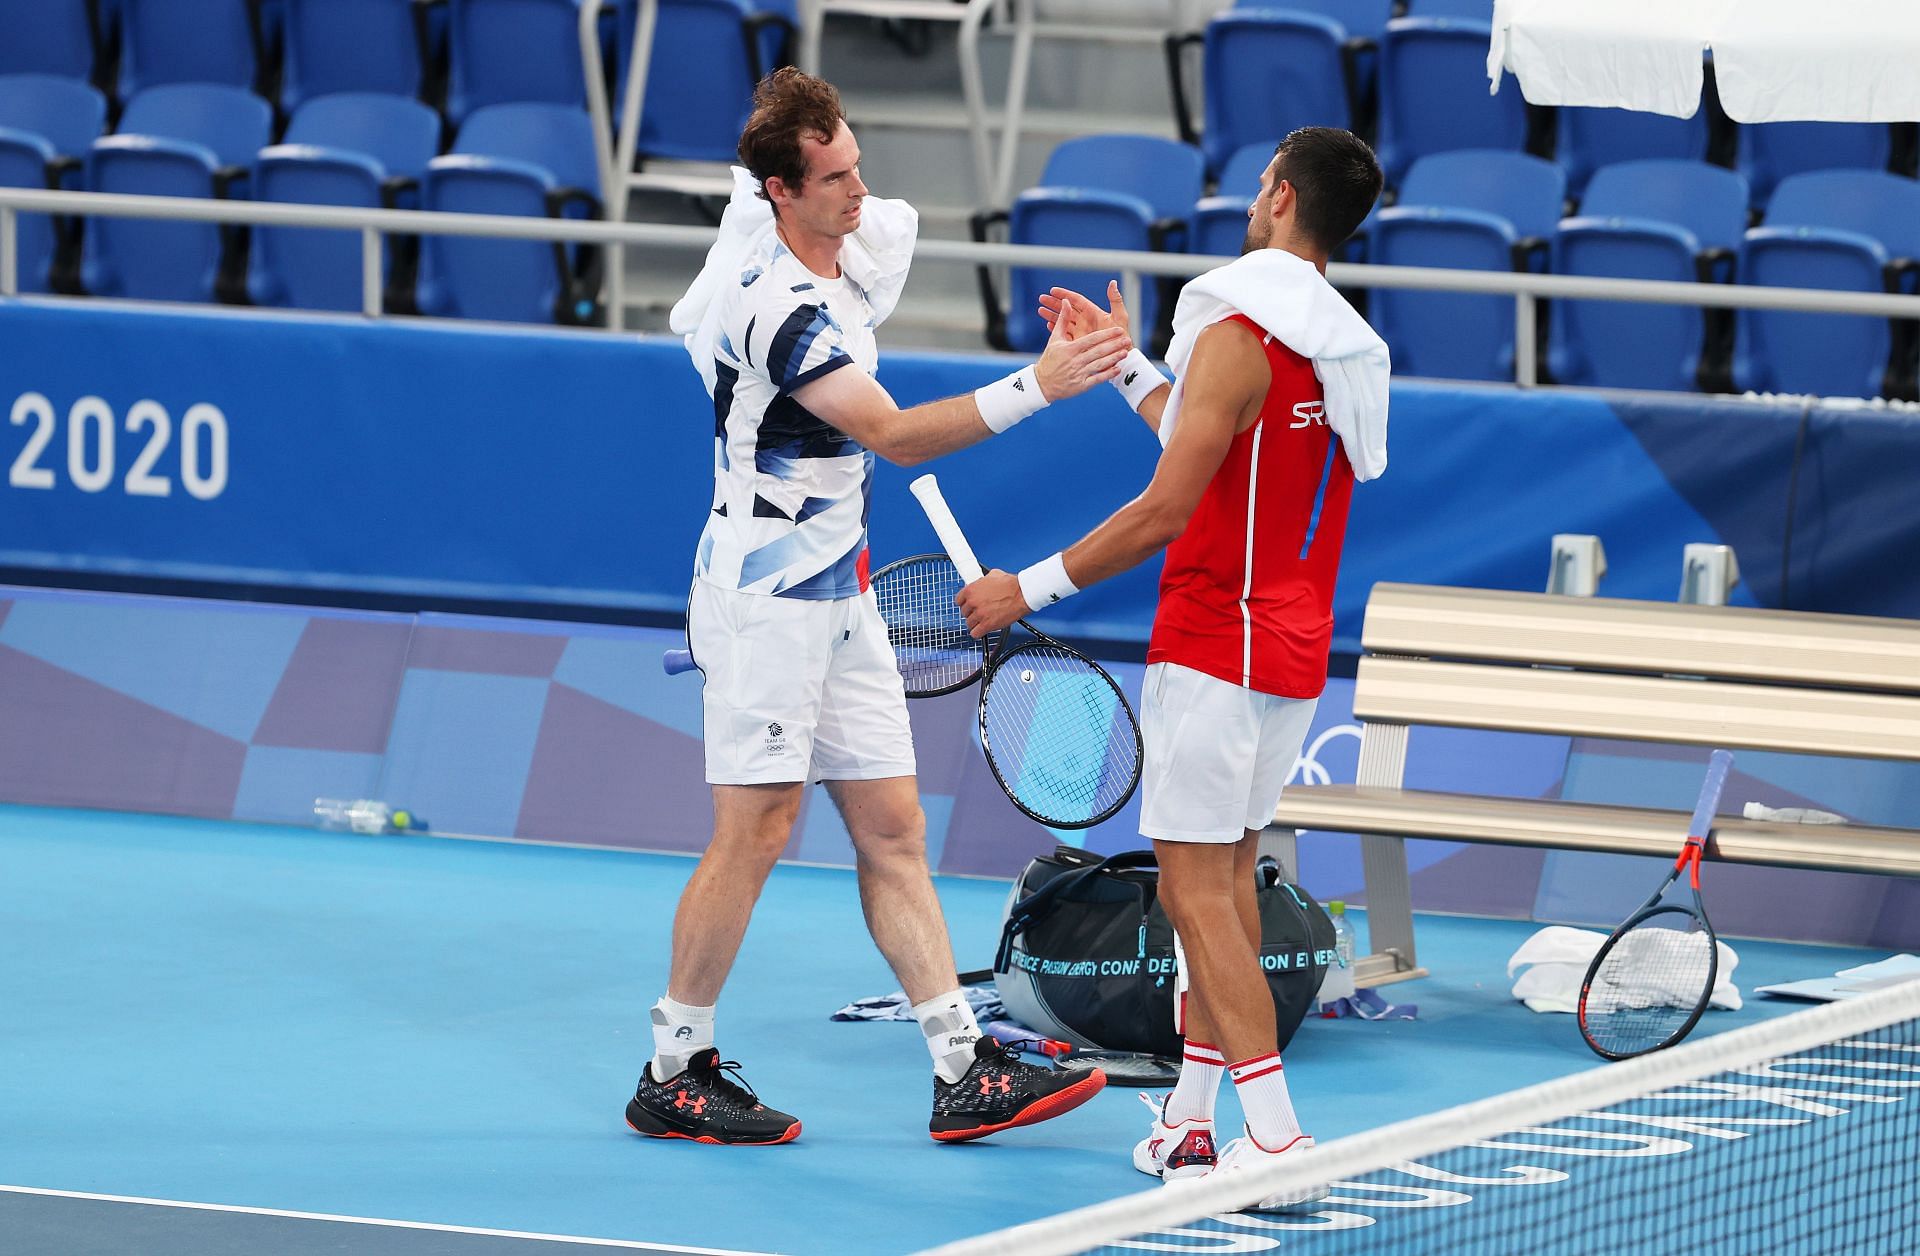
x: 1775, y: 60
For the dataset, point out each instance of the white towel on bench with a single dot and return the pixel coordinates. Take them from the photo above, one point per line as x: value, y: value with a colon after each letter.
x: 1549, y: 967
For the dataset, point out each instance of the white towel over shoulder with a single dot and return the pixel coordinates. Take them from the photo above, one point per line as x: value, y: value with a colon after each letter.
x: 1293, y: 302
x: 876, y: 256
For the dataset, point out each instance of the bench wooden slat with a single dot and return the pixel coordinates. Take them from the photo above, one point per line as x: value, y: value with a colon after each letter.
x: 1595, y: 827
x: 1639, y: 708
x: 1728, y: 642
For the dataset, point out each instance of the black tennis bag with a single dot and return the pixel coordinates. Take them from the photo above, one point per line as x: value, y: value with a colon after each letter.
x: 1086, y: 953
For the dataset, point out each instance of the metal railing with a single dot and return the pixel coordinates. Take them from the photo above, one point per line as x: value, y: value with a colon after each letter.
x: 373, y: 225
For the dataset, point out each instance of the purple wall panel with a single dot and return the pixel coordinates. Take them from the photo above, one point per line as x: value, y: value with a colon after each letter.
x: 471, y: 646
x: 604, y: 775
x: 338, y: 689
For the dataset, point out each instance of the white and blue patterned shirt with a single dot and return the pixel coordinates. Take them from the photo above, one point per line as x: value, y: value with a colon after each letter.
x: 790, y: 491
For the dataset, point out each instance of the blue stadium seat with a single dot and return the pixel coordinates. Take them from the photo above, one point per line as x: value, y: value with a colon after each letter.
x: 47, y: 37
x: 1592, y: 138
x: 182, y: 139
x: 1771, y: 151
x: 1848, y: 230
x: 46, y: 123
x: 1475, y: 210
x: 1433, y: 94
x: 360, y: 149
x: 1680, y: 221
x: 1364, y: 19
x: 1471, y: 10
x: 1220, y: 220
x: 1131, y: 192
x: 188, y: 41
x: 707, y: 56
x: 351, y: 46
x: 511, y: 51
x: 524, y: 159
x: 1267, y: 72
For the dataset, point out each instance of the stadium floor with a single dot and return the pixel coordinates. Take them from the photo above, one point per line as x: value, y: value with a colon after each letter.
x: 443, y: 1033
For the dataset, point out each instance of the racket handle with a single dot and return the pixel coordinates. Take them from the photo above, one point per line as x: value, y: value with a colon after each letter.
x: 946, y: 527
x: 674, y: 662
x: 1718, y: 765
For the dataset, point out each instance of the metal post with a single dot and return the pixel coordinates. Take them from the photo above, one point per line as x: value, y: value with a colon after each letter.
x: 1018, y: 74
x: 372, y: 277
x: 1130, y: 281
x: 975, y: 95
x: 639, y: 62
x: 9, y: 252
x: 813, y: 18
x: 1526, y: 339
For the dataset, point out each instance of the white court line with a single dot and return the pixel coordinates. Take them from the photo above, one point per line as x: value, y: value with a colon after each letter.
x: 628, y: 1244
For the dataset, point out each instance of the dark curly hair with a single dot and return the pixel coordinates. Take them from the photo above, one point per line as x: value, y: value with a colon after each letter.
x: 789, y: 107
x: 1335, y: 176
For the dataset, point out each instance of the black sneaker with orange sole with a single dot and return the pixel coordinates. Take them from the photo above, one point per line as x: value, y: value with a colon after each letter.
x: 1001, y: 1091
x: 705, y: 1105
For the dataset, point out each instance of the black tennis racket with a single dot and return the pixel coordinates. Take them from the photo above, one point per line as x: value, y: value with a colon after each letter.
x: 1059, y: 735
x: 1651, y: 981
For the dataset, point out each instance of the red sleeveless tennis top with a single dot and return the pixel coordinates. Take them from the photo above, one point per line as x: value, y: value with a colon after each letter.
x: 1247, y: 590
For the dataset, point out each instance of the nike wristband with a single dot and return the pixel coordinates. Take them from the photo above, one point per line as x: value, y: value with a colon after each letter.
x: 1005, y: 402
x: 1138, y: 378
x: 1046, y: 582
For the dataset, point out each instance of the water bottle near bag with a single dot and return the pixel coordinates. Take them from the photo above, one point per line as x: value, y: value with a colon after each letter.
x: 1086, y: 953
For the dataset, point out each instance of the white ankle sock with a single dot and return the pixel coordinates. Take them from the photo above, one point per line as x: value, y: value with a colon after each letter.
x: 680, y: 1032
x: 1262, y: 1088
x: 947, y: 1021
x: 1201, y: 1068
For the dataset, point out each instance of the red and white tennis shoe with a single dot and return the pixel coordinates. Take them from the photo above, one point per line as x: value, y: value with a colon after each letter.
x: 1244, y: 1155
x: 1174, y: 1152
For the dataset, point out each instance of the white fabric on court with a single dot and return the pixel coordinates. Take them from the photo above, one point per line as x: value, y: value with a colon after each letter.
x: 1217, y: 755
x: 1550, y: 965
x: 1293, y: 302
x: 1774, y: 60
x: 797, y: 690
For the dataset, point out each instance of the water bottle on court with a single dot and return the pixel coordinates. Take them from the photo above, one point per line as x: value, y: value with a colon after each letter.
x: 1338, y: 983
x: 364, y: 815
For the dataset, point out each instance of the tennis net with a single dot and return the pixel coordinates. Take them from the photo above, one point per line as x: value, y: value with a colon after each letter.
x: 1796, y: 1135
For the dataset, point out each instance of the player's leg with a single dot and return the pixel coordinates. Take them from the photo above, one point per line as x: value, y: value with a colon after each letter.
x: 1203, y: 1066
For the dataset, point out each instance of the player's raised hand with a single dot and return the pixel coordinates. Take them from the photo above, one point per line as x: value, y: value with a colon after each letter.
x: 1076, y: 358
x: 1086, y: 315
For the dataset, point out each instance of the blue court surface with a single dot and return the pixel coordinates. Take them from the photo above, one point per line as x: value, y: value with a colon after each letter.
x: 443, y: 1033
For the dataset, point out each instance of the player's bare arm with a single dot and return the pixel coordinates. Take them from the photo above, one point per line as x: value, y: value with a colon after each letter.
x: 1086, y: 315
x: 1227, y: 380
x: 856, y: 403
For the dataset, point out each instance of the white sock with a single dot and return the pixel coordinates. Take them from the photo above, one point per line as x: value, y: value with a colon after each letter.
x: 680, y: 1032
x: 1201, y: 1068
x: 1262, y: 1088
x: 947, y: 1021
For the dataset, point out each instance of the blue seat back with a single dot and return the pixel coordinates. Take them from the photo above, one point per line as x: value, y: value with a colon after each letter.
x: 1707, y: 201
x: 186, y: 41
x: 1440, y: 334
x: 67, y: 113
x: 1268, y: 72
x: 1433, y: 94
x: 1079, y: 218
x: 1470, y: 10
x: 506, y: 51
x: 1220, y: 221
x: 234, y: 123
x: 1616, y: 344
x: 401, y: 134
x: 1241, y: 175
x: 1770, y: 151
x: 349, y: 46
x: 1363, y: 19
x: 46, y: 37
x: 162, y: 261
x: 699, y: 81
x: 1166, y: 174
x: 301, y: 267
x: 556, y: 138
x: 1526, y: 191
x: 23, y: 164
x: 1829, y: 355
x: 1592, y: 138
x: 1870, y: 202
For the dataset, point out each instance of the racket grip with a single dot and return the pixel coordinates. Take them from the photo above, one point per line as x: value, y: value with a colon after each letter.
x: 1718, y: 765
x: 946, y: 527
x: 674, y: 662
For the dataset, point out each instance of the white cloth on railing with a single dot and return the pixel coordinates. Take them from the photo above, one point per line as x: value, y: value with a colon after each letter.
x: 1293, y: 302
x: 876, y: 256
x: 1551, y: 964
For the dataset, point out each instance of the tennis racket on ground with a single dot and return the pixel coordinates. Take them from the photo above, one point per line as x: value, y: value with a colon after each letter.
x: 1058, y: 733
x: 1649, y: 984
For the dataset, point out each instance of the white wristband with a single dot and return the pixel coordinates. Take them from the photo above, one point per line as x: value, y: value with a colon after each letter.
x: 1005, y: 402
x: 1046, y: 582
x: 1137, y: 380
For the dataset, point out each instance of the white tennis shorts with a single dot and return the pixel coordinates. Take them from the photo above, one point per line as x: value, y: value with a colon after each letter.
x: 797, y: 690
x: 1217, y: 755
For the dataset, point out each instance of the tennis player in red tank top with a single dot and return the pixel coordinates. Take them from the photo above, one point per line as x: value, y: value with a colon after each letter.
x: 1249, y: 500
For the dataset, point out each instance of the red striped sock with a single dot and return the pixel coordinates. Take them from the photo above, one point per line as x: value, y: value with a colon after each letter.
x: 1201, y: 1067
x: 1262, y: 1087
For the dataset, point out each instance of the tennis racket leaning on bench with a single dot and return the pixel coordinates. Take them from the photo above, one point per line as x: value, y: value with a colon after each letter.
x: 1651, y: 981
x: 1058, y: 734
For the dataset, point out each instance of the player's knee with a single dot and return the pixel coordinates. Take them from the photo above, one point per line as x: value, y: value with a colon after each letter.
x: 899, y: 835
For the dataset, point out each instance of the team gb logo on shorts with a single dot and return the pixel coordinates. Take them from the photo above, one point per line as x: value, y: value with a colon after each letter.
x: 776, y: 739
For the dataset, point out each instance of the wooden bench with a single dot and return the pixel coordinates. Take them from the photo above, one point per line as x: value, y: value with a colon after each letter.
x: 1730, y: 677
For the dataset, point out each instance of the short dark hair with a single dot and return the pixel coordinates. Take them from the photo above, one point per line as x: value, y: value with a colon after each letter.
x: 1336, y: 177
x: 788, y: 108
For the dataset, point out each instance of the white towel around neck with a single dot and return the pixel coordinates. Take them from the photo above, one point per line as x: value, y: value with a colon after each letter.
x: 1293, y: 302
x: 876, y: 256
